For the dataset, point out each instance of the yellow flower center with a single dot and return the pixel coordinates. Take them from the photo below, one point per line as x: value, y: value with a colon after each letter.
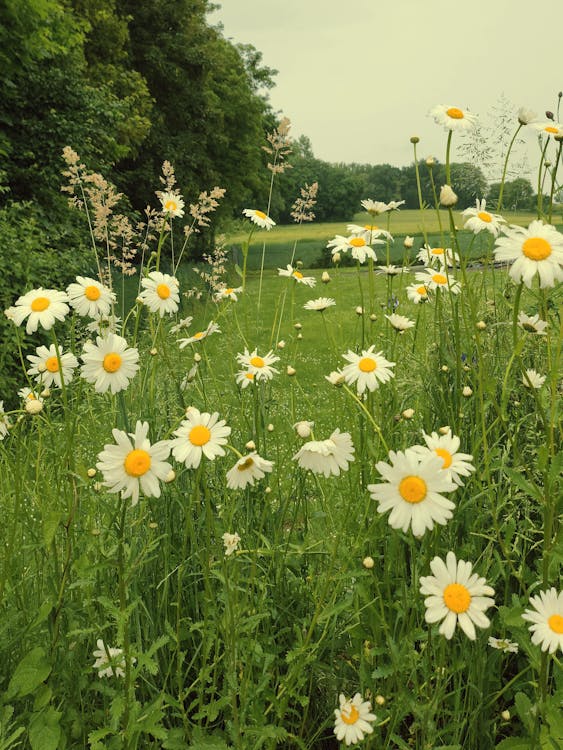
x: 199, y: 435
x: 439, y: 278
x: 92, y: 293
x: 412, y: 489
x: 367, y: 364
x: 257, y: 362
x: 371, y: 227
x: 39, y: 304
x: 457, y: 598
x: 551, y: 129
x: 260, y: 214
x: 199, y: 335
x: 297, y: 274
x: 445, y: 455
x: 484, y: 216
x: 555, y: 622
x: 137, y: 462
x: 52, y: 364
x: 246, y: 464
x: 163, y: 291
x: 422, y: 291
x: 112, y: 362
x: 536, y: 248
x: 357, y: 242
x: 170, y: 205
x: 230, y: 290
x: 249, y: 375
x: 437, y: 251
x: 455, y: 113
x: 350, y: 715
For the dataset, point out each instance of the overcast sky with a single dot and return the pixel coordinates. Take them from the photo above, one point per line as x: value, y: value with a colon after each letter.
x: 358, y: 77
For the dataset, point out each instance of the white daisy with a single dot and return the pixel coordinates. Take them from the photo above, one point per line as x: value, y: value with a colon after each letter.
x: 502, y: 644
x: 109, y: 662
x: 399, y: 322
x: 446, y: 446
x: 41, y: 307
x: 260, y: 366
x: 326, y: 456
x: 199, y: 335
x: 537, y: 249
x: 182, y: 324
x: 391, y: 270
x: 352, y: 719
x: 27, y: 394
x: 417, y: 293
x: 533, y: 324
x: 526, y: 116
x: 133, y: 465
x: 228, y: 292
x: 245, y: 378
x: 438, y: 279
x: 201, y: 434
x: 359, y: 249
x: 533, y: 379
x: 231, y: 542
x: 546, y: 619
x: 367, y: 370
x: 90, y: 298
x: 5, y: 423
x: 247, y: 470
x: 259, y: 218
x: 369, y: 232
x: 549, y: 128
x: 440, y: 256
x: 172, y: 204
x: 456, y: 595
x: 336, y: 377
x: 160, y: 293
x: 291, y: 272
x: 480, y: 219
x: 109, y: 363
x: 411, y: 491
x: 303, y: 428
x: 104, y: 324
x: 320, y: 304
x: 378, y: 207
x: 453, y: 118
x: 45, y: 365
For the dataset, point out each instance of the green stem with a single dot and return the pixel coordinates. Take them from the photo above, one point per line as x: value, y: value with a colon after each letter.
x: 501, y: 191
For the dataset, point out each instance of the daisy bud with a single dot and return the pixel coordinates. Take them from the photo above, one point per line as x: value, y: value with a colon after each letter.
x: 298, y: 326
x: 336, y: 258
x: 549, y: 115
x: 415, y: 139
x: 359, y: 310
x: 98, y: 486
x: 526, y: 116
x: 91, y: 473
x: 153, y: 352
x: 445, y: 368
x: 299, y: 264
x: 408, y: 242
x: 270, y: 427
x: 291, y: 370
x: 368, y: 562
x: 380, y: 700
x: 480, y: 325
x: 325, y: 278
x: 170, y: 477
x: 430, y: 161
x: 139, y: 301
x: 447, y: 196
x: 250, y: 446
x: 281, y: 344
x: 267, y: 490
x: 335, y: 378
x: 373, y: 317
x: 33, y: 406
x: 299, y: 336
x: 41, y: 367
x: 466, y: 368
x: 467, y: 391
x: 408, y: 414
x: 45, y: 393
x: 505, y: 715
x: 197, y: 357
x: 153, y: 525
x: 95, y: 532
x: 303, y: 428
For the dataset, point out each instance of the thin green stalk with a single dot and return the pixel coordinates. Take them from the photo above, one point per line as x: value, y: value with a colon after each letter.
x: 505, y: 167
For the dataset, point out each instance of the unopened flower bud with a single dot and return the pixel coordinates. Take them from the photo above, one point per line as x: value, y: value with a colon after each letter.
x: 415, y: 139
x: 45, y: 393
x: 430, y: 161
x: 197, y: 357
x: 444, y: 430
x: 335, y: 377
x: 153, y: 352
x: 368, y: 562
x: 91, y: 473
x: 445, y: 368
x: 299, y: 336
x: 549, y: 115
x: 281, y: 344
x: 33, y: 406
x: 270, y: 427
x: 170, y: 477
x: 250, y: 446
x: 299, y: 264
x: 267, y: 490
x: 480, y: 325
x: 298, y: 326
x: 380, y: 700
x: 359, y: 310
x: 467, y: 391
x: 41, y: 367
x: 408, y: 414
x: 303, y: 428
x: 373, y: 317
x: 325, y: 277
x: 447, y: 196
x: 526, y: 116
x: 290, y: 370
x: 408, y: 242
x: 505, y: 715
x: 336, y: 258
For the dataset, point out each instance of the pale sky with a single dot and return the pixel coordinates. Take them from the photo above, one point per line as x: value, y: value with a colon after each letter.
x: 358, y: 77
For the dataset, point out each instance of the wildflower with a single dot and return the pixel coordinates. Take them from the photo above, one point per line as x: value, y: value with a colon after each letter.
x: 436, y: 279
x: 245, y: 378
x: 547, y: 620
x: 91, y: 473
x: 297, y: 275
x: 352, y: 719
x: 320, y: 304
x: 456, y: 596
x: 281, y: 344
x: 408, y: 242
x: 110, y: 662
x: 303, y: 428
x: 359, y: 310
x: 247, y: 470
x: 533, y: 379
x: 327, y: 456
x: 42, y: 307
x: 45, y: 365
x: 399, y: 322
x: 27, y: 394
x: 104, y: 324
x: 505, y: 715
x: 369, y: 232
x: 336, y: 377
x: 467, y: 391
x: 526, y: 116
x: 336, y: 258
x: 367, y: 370
x: 290, y: 371
x: 325, y: 277
x: 440, y: 255
x: 260, y: 366
x: 480, y: 325
x: 368, y: 563
x: 270, y: 427
x: 380, y: 700
x: 502, y: 644
x: 33, y: 406
x: 228, y: 293
x: 109, y: 363
x: 90, y: 298
x: 411, y: 491
x: 5, y: 423
x: 549, y: 128
x: 359, y: 248
x: 532, y: 324
x: 200, y: 335
x: 160, y: 293
x: 447, y: 196
x: 446, y: 446
x: 391, y: 270
x: 408, y: 413
x: 378, y: 207
x: 259, y: 218
x: 172, y: 204
x: 479, y: 219
x: 453, y: 118
x: 231, y: 542
x: 181, y: 324
x: 133, y: 465
x: 537, y: 249
x: 417, y: 293
x: 201, y: 434
x: 250, y: 445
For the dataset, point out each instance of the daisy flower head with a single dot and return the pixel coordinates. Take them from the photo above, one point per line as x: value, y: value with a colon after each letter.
x: 455, y: 595
x: 526, y: 116
x: 260, y: 366
x: 160, y: 293
x: 478, y: 219
x: 320, y: 304
x: 532, y: 324
x: 379, y: 207
x: 438, y: 279
x: 369, y: 232
x: 110, y: 662
x: 411, y: 491
x: 352, y: 719
x: 172, y: 204
x: 259, y: 218
x: 391, y: 270
x: 244, y: 378
x: 358, y: 247
x: 200, y: 434
x: 247, y: 470
x: 367, y: 370
x: 550, y: 128
x: 133, y: 465
x: 228, y: 292
x: 294, y: 273
x: 231, y: 542
x: 104, y: 324
x: 502, y: 644
x: 327, y: 456
x: 533, y: 379
x: 453, y: 118
x: 336, y: 377
x: 5, y: 423
x: 89, y: 298
x: 109, y: 363
x: 199, y: 335
x: 446, y: 446
x: 27, y: 394
x: 399, y: 322
x: 182, y: 324
x: 45, y: 366
x: 417, y: 293
x: 41, y: 307
x: 547, y: 620
x: 440, y: 256
x: 535, y: 250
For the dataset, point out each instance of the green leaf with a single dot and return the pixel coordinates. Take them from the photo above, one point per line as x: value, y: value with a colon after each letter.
x: 526, y: 486
x: 525, y: 710
x: 32, y: 670
x: 44, y: 730
x: 51, y: 521
x: 202, y: 741
x: 238, y: 270
x: 42, y: 697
